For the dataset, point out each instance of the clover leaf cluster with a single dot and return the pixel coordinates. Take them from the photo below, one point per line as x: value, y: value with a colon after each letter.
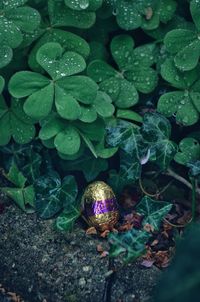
x: 78, y: 76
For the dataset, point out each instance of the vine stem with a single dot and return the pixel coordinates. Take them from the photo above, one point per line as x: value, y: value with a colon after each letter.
x: 193, y: 182
x: 181, y: 179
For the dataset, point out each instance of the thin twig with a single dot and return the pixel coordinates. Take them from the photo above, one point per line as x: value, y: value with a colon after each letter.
x: 181, y: 179
x: 158, y: 193
x: 109, y: 281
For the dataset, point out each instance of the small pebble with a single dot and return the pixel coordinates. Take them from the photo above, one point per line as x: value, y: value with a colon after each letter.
x: 82, y: 282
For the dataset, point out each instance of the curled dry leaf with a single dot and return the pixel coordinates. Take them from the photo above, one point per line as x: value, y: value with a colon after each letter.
x: 91, y: 231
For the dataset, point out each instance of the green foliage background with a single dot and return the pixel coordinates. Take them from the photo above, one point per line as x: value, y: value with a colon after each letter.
x: 88, y: 83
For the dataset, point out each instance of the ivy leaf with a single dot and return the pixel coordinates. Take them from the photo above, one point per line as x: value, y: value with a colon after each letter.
x: 130, y: 167
x: 129, y: 138
x: 16, y: 177
x: 194, y: 168
x: 189, y: 151
x: 27, y: 158
x: 153, y: 211
x: 23, y: 197
x: 156, y: 130
x: 65, y: 221
x: 48, y: 190
x: 69, y: 192
x: 132, y: 243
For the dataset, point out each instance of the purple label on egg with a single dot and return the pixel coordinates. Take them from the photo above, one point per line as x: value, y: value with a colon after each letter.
x: 101, y: 207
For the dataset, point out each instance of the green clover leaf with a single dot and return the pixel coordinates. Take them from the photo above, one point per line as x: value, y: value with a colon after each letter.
x: 69, y: 41
x: 135, y: 72
x: 90, y: 5
x: 185, y: 43
x: 65, y: 90
x: 15, y: 123
x: 15, y: 20
x: 162, y: 12
x: 129, y: 14
x: 67, y: 137
x: 185, y: 102
x: 189, y: 151
x: 61, y: 15
x: 2, y: 84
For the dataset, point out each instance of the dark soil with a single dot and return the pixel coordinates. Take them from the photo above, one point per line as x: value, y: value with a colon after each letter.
x: 41, y: 264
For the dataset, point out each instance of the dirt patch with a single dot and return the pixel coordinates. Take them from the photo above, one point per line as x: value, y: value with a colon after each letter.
x: 41, y: 264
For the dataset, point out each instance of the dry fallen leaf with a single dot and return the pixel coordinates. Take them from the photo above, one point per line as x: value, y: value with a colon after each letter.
x: 91, y: 231
x: 105, y: 233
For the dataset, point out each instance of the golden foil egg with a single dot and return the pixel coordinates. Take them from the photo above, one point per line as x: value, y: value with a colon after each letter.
x: 100, y: 206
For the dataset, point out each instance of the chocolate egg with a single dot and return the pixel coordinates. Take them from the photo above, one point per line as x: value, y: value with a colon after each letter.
x: 100, y: 206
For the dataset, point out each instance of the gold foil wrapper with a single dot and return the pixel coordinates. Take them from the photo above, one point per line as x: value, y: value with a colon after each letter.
x: 100, y: 206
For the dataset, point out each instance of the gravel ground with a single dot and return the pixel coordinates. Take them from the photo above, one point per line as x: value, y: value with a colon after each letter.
x: 40, y: 264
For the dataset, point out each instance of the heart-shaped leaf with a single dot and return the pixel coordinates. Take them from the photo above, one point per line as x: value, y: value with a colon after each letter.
x: 68, y: 141
x: 189, y: 151
x: 69, y: 41
x: 15, y: 123
x: 61, y: 15
x: 66, y: 105
x: 58, y: 64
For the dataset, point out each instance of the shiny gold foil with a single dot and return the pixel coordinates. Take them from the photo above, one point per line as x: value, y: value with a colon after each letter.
x: 101, y: 196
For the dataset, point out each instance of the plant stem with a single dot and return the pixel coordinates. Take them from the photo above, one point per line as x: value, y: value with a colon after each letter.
x: 193, y: 182
x: 181, y: 179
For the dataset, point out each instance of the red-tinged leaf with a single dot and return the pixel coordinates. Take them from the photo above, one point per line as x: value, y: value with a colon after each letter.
x: 105, y: 233
x: 125, y: 227
x: 104, y: 254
